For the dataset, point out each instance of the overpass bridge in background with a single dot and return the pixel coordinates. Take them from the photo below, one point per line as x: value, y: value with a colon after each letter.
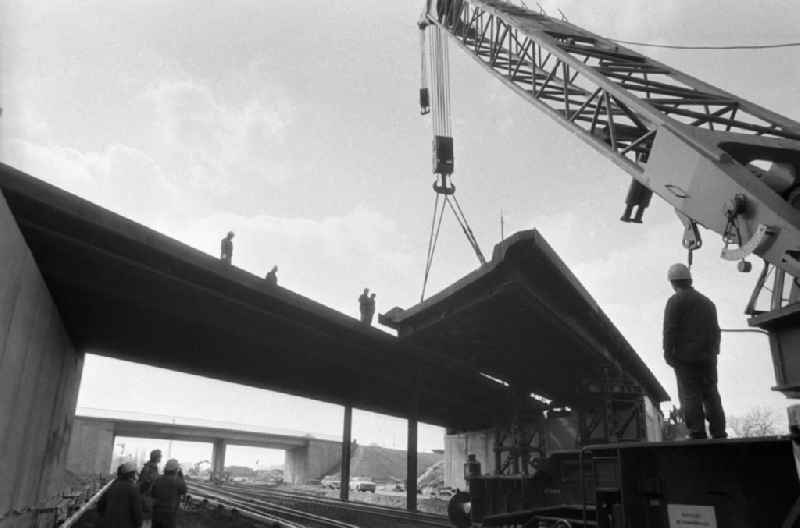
x: 94, y: 432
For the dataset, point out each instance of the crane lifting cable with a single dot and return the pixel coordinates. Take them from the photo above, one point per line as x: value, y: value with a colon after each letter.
x: 424, y: 95
x: 437, y: 102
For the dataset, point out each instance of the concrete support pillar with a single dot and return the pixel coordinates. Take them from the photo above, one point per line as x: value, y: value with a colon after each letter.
x: 40, y: 372
x: 411, y: 465
x: 344, y: 490
x: 218, y: 458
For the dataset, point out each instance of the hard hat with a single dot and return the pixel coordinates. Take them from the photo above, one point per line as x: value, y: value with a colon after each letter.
x: 127, y: 467
x: 679, y: 272
x: 171, y: 465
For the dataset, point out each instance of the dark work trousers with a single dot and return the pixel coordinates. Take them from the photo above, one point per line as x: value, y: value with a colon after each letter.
x: 700, y: 401
x: 165, y: 520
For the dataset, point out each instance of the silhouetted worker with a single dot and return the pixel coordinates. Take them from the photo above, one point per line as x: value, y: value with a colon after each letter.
x: 121, y: 504
x: 272, y: 276
x: 166, y: 492
x: 370, y: 309
x: 147, y: 477
x: 363, y: 305
x: 226, y: 248
x: 691, y: 346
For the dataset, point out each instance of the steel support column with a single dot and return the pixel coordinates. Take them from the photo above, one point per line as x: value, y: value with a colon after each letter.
x: 411, y: 465
x: 344, y: 487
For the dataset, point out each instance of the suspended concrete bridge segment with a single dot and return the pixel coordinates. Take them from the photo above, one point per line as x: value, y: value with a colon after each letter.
x: 308, y: 457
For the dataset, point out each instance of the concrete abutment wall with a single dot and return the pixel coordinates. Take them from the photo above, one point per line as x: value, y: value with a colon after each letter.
x: 311, y: 462
x: 40, y: 372
x: 91, y: 448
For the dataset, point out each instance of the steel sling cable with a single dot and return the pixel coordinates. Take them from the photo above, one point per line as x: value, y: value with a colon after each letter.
x: 432, y: 245
x: 468, y: 230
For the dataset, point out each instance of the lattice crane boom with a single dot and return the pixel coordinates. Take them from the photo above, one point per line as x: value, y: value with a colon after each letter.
x: 721, y: 161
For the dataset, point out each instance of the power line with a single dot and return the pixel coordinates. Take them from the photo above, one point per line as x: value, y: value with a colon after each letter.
x: 732, y: 47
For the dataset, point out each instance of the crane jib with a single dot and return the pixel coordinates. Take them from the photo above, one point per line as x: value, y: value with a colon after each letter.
x: 644, y: 116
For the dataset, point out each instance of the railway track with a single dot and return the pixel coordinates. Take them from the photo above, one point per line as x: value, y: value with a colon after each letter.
x: 272, y: 504
x: 271, y: 513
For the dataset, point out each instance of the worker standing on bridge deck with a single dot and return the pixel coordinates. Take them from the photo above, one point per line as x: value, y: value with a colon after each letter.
x: 363, y: 305
x: 370, y: 308
x: 121, y: 504
x: 226, y: 248
x: 691, y: 346
x: 147, y: 477
x: 272, y: 276
x: 166, y: 492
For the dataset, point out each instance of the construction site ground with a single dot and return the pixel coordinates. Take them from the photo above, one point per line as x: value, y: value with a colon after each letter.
x: 380, y: 497
x: 191, y: 518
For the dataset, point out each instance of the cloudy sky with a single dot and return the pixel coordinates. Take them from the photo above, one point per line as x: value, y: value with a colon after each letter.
x: 296, y: 125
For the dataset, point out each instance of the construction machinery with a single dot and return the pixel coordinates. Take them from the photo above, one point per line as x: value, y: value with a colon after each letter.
x: 723, y: 163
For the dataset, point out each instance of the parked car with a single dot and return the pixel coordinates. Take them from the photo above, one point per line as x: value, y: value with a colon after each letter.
x: 362, y: 484
x: 331, y: 482
x: 445, y: 493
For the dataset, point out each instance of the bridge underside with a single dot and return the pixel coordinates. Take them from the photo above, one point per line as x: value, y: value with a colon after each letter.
x: 525, y: 319
x: 126, y: 291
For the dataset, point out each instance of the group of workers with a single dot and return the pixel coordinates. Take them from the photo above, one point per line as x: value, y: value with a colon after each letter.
x: 150, y: 502
x: 366, y: 302
x: 226, y: 256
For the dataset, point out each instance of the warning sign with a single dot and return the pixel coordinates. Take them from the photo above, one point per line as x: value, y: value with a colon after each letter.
x: 690, y: 516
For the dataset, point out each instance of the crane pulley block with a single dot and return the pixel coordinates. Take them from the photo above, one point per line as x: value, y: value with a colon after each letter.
x: 442, y: 155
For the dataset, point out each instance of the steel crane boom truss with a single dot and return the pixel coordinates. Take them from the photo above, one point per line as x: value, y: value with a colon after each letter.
x: 688, y: 141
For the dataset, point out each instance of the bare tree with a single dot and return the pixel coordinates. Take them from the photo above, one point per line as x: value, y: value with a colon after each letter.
x: 758, y: 421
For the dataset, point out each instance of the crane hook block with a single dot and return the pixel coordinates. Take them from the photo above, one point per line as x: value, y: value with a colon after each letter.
x: 442, y: 155
x: 424, y: 101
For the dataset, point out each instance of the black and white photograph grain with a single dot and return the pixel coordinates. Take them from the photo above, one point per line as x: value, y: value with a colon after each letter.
x: 399, y: 264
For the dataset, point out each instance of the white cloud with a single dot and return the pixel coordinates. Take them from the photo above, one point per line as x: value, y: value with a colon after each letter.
x: 330, y: 259
x: 220, y: 142
x: 121, y: 178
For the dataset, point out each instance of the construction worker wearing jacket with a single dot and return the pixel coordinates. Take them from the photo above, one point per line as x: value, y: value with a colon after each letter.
x: 166, y: 492
x: 691, y: 346
x: 147, y: 477
x: 121, y: 504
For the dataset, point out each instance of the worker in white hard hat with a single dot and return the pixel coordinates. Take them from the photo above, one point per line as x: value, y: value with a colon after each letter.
x: 121, y: 504
x: 167, y: 491
x: 691, y: 346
